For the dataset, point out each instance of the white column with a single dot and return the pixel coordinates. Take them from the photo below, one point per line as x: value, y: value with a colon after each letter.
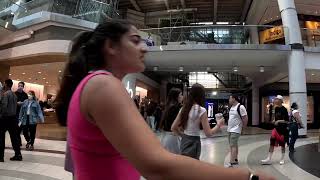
x: 255, y: 105
x: 296, y: 62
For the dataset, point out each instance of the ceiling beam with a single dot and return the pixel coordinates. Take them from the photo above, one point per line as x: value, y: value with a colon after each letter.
x: 183, y: 4
x: 135, y: 5
x: 166, y: 2
x: 245, y: 10
x: 215, y: 11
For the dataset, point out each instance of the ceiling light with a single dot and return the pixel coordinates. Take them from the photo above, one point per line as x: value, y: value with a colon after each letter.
x: 214, y: 93
x: 39, y: 72
x: 235, y: 69
x: 271, y: 18
x: 208, y: 69
x: 47, y: 82
x: 10, y: 74
x: 60, y: 71
x: 23, y: 73
x: 277, y: 16
x: 181, y: 68
x: 43, y: 78
x: 312, y: 74
x: 261, y: 69
x: 222, y: 23
x: 265, y: 20
x: 30, y: 78
x: 155, y: 68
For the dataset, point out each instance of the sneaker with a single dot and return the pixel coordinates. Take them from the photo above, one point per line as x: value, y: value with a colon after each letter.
x: 31, y: 148
x: 266, y: 162
x: 228, y: 165
x: 282, y: 162
x: 16, y: 158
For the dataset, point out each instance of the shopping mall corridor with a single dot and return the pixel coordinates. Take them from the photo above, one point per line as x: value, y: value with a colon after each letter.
x: 47, y: 160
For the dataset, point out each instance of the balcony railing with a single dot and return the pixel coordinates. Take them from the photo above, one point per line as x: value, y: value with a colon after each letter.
x: 219, y: 34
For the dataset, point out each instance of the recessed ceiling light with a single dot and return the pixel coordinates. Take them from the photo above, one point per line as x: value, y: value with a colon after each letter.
x: 60, y: 71
x: 214, y: 93
x: 277, y: 16
x: 10, y: 74
x: 47, y: 82
x: 30, y: 78
x: 43, y: 78
x: 312, y: 74
x: 180, y: 68
x: 235, y: 69
x: 271, y: 18
x: 39, y: 72
x: 261, y: 69
x: 23, y: 73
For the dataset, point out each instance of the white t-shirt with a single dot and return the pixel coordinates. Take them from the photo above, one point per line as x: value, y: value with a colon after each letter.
x: 296, y: 111
x: 235, y: 121
x: 193, y: 124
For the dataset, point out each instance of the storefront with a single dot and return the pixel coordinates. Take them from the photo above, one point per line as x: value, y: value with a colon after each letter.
x: 313, y: 33
x: 273, y: 35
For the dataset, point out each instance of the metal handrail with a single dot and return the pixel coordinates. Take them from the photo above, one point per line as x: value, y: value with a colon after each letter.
x: 206, y: 26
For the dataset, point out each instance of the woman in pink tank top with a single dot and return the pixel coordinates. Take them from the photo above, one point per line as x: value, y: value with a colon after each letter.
x: 107, y: 136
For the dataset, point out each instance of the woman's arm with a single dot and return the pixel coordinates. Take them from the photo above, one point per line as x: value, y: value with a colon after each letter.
x: 206, y: 126
x: 175, y: 125
x: 105, y: 100
x: 39, y: 112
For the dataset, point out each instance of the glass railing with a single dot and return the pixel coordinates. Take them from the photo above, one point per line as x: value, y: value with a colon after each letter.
x: 90, y: 10
x: 310, y: 37
x: 219, y: 34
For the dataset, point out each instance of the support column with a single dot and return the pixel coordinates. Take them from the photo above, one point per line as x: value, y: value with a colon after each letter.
x: 254, y: 35
x: 255, y: 105
x: 4, y: 73
x: 296, y: 62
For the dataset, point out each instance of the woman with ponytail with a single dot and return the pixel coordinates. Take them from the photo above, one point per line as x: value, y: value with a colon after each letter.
x: 108, y: 137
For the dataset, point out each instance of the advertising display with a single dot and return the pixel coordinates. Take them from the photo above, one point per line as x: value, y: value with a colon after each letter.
x: 314, y: 27
x: 271, y: 34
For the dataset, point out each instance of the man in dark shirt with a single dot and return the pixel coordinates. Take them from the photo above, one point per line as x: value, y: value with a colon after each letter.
x: 279, y: 134
x: 9, y: 122
x: 21, y: 97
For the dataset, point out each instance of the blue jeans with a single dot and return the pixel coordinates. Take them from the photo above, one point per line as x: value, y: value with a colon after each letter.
x: 293, y: 135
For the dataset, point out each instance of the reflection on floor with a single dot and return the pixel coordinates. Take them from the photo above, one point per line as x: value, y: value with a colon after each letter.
x: 47, y: 161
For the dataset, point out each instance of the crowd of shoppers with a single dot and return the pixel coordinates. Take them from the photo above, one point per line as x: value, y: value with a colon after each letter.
x: 19, y: 111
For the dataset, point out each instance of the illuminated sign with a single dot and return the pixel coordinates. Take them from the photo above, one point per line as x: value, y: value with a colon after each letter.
x: 314, y: 27
x: 271, y: 34
x: 130, y: 91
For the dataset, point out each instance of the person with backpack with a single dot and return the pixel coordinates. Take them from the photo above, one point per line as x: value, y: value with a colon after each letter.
x: 238, y: 118
x: 295, y: 123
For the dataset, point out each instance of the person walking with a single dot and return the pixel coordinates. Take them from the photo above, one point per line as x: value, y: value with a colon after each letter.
x: 30, y: 115
x: 107, y: 143
x: 21, y: 97
x: 279, y: 135
x: 238, y: 118
x: 8, y: 122
x: 189, y: 121
x: 169, y: 140
x: 294, y: 125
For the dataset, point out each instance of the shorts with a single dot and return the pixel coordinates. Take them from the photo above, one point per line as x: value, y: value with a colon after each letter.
x: 233, y: 139
x: 277, y: 139
x: 191, y: 146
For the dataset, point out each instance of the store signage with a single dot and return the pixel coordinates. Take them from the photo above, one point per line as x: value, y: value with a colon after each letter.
x: 271, y: 34
x: 130, y: 91
x: 314, y: 27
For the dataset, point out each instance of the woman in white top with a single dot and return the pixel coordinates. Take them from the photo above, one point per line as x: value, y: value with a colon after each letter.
x: 294, y: 124
x: 187, y: 124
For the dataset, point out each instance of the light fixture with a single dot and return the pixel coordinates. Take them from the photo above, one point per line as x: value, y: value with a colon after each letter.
x: 277, y: 16
x: 214, y: 93
x: 236, y: 69
x: 10, y: 74
x: 312, y: 74
x: 23, y: 73
x: 155, y: 68
x: 270, y: 18
x: 29, y: 78
x: 60, y: 71
x: 181, y: 68
x: 47, y: 82
x: 261, y: 69
x: 39, y: 72
x: 208, y: 69
x: 43, y: 78
x: 265, y: 20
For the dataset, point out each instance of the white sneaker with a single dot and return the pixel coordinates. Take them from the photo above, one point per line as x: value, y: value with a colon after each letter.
x: 282, y: 162
x: 266, y: 162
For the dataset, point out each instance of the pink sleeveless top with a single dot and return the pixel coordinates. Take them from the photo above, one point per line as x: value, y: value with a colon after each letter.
x: 94, y: 158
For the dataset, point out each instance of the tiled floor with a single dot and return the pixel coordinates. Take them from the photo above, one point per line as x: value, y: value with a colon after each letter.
x: 46, y: 162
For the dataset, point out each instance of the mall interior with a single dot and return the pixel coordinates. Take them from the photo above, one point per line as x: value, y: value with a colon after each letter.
x: 259, y: 49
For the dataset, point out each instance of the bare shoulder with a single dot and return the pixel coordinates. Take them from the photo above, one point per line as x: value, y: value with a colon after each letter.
x: 102, y: 82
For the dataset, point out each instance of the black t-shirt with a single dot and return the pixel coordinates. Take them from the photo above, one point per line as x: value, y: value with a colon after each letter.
x: 281, y: 113
x: 21, y: 97
x: 170, y: 116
